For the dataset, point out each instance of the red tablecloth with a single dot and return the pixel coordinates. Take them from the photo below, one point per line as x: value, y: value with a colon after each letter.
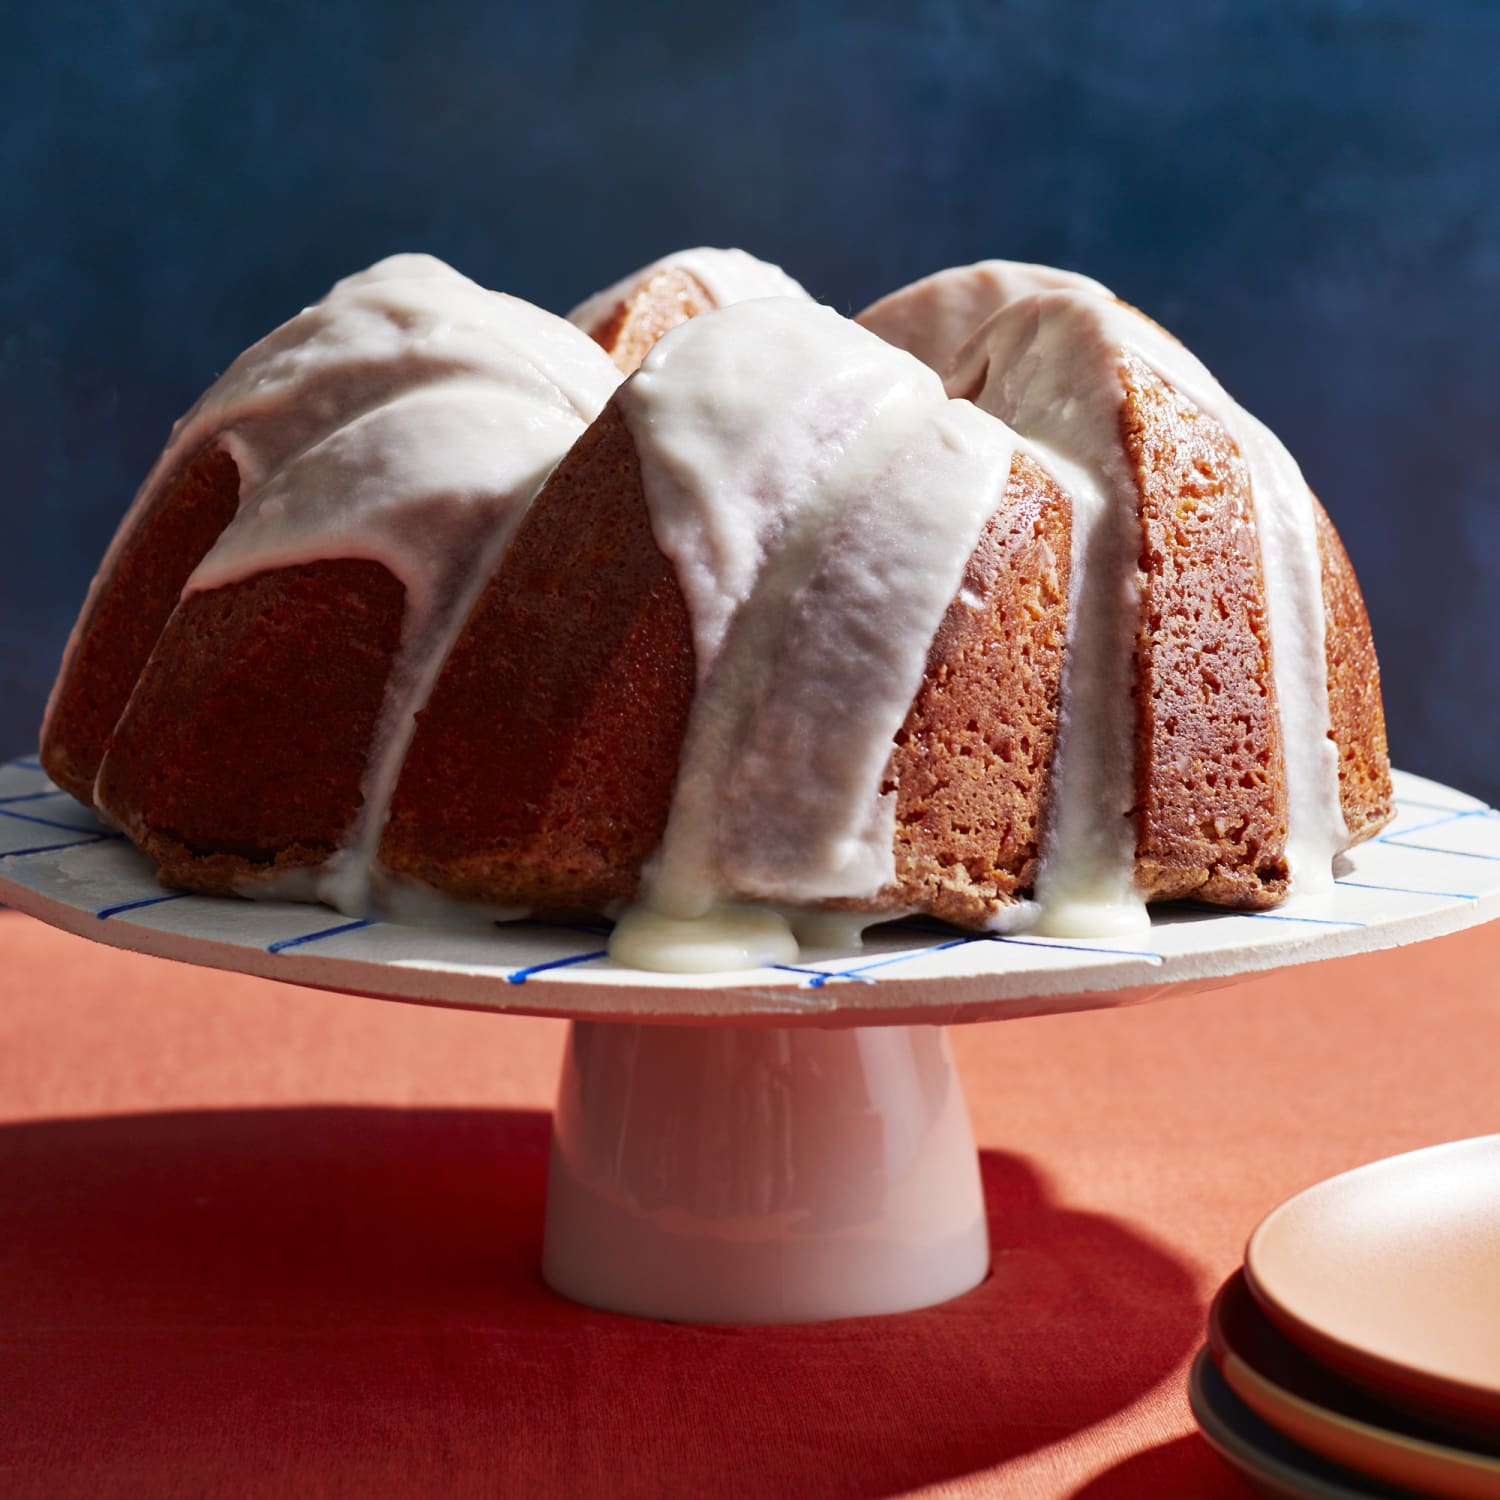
x: 256, y: 1240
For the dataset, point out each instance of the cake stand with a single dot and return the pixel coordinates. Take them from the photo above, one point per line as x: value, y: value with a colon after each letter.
x: 786, y: 1144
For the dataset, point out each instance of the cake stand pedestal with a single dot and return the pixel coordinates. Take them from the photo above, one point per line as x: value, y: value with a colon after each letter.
x: 780, y: 1145
x: 773, y: 1174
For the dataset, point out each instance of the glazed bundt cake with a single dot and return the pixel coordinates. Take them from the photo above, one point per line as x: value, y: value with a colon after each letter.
x: 791, y: 624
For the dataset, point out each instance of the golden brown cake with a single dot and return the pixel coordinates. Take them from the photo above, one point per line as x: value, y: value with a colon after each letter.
x: 1033, y: 633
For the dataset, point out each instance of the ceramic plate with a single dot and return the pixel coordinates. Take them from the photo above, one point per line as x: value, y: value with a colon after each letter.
x: 1391, y: 1275
x: 1435, y: 870
x: 1273, y: 1464
x: 1312, y: 1406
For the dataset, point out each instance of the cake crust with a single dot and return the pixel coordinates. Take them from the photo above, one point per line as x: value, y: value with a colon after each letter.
x: 1355, y: 712
x: 971, y: 767
x: 122, y: 624
x: 243, y: 747
x: 1211, y: 807
x: 542, y: 768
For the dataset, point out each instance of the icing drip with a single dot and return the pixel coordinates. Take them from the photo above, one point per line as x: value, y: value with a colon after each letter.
x: 726, y: 275
x: 819, y: 497
x: 1316, y: 830
x: 1051, y: 364
x: 409, y: 418
x: 933, y: 318
x: 724, y: 936
x: 915, y: 498
x: 1045, y: 367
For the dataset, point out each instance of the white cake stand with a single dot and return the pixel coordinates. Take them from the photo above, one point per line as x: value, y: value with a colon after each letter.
x: 779, y: 1145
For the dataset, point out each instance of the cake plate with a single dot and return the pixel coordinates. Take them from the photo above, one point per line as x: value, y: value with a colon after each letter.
x: 786, y: 1144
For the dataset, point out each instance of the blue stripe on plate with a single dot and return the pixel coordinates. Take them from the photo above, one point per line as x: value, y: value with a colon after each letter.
x: 1408, y: 890
x: 1276, y: 916
x: 802, y: 969
x: 1442, y: 807
x: 1020, y: 942
x: 1452, y: 817
x: 97, y: 838
x: 520, y: 976
x: 114, y: 911
x: 282, y: 944
x: 858, y: 971
x: 1435, y: 849
x: 20, y: 817
x: 56, y: 791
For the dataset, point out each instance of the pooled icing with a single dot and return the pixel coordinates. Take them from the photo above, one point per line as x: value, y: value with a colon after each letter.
x: 819, y: 496
x: 408, y: 418
x: 727, y: 276
x: 934, y: 317
x: 726, y: 935
x: 1051, y: 365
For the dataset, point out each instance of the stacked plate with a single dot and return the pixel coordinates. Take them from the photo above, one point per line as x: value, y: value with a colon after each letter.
x: 1357, y: 1352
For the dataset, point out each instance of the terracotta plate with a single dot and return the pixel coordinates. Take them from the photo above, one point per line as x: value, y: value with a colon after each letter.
x: 1272, y: 1463
x: 1391, y: 1275
x: 1312, y: 1406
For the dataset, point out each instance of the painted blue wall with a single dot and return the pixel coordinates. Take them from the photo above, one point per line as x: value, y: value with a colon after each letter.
x: 1308, y: 193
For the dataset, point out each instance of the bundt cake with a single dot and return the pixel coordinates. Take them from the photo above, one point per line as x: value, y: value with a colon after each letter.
x: 1029, y: 624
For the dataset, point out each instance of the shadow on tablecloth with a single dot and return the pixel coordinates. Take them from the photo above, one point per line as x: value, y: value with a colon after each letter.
x: 1184, y: 1466
x: 347, y: 1301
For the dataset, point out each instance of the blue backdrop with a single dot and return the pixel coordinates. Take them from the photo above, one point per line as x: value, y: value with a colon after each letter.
x: 1308, y: 193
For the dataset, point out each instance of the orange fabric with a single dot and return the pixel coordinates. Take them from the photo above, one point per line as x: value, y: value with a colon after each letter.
x: 256, y: 1240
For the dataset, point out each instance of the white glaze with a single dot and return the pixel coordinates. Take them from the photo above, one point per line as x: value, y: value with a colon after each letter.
x: 725, y: 937
x: 933, y: 318
x: 1048, y: 370
x: 820, y: 498
x: 1051, y: 365
x: 409, y: 418
x: 727, y: 276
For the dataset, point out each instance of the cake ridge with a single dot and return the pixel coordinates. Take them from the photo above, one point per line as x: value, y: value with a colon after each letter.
x: 800, y: 449
x: 1067, y: 407
x: 1284, y: 521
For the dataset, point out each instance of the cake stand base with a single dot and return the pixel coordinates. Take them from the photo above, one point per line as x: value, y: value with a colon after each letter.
x: 762, y: 1174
